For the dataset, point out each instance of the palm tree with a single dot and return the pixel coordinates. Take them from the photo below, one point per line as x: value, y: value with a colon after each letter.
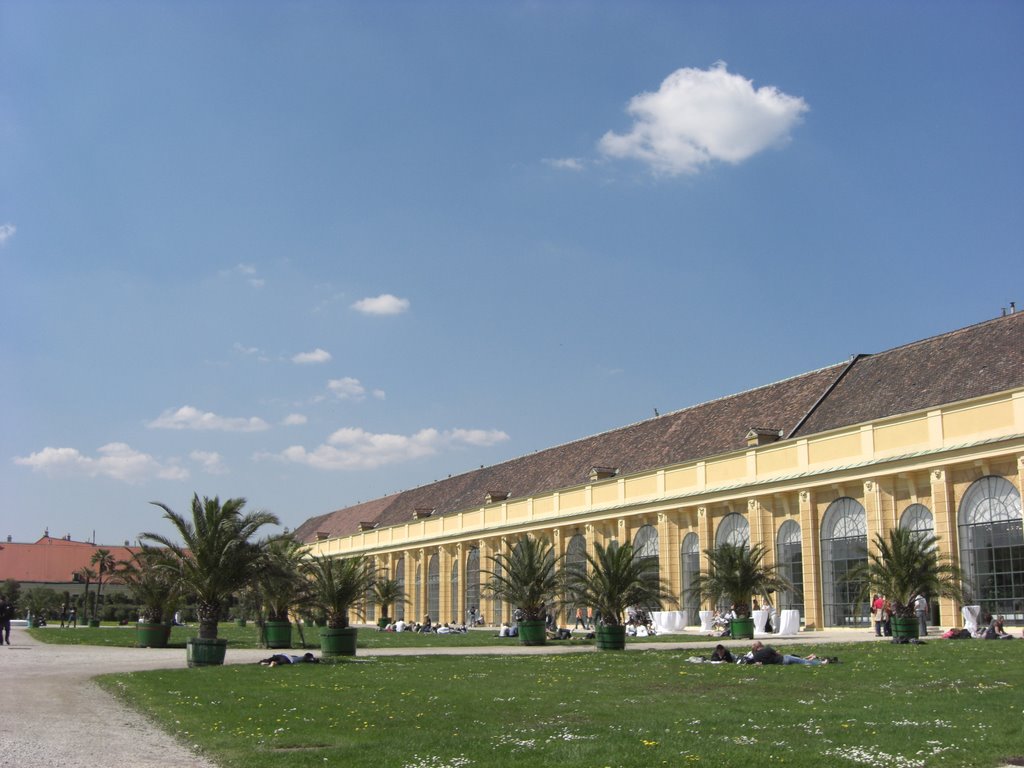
x: 617, y: 578
x: 904, y: 565
x: 218, y: 554
x: 736, y: 573
x: 280, y: 579
x: 336, y: 584
x: 388, y: 592
x: 149, y: 585
x: 105, y: 563
x: 85, y: 575
x: 526, y: 577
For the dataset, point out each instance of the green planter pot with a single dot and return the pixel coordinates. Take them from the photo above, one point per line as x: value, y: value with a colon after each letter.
x: 240, y: 622
x: 741, y: 628
x: 204, y: 652
x: 383, y: 621
x: 94, y: 623
x: 532, y: 632
x: 337, y: 642
x: 905, y: 628
x: 278, y: 634
x: 151, y: 635
x: 610, y: 638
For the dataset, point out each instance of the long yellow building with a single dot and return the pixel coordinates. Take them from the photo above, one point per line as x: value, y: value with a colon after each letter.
x: 928, y: 436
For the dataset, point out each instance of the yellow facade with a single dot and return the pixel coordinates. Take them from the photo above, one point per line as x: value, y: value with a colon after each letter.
x: 927, y: 458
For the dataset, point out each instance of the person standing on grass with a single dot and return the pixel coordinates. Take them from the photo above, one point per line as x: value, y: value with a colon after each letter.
x: 6, y: 614
x: 921, y: 609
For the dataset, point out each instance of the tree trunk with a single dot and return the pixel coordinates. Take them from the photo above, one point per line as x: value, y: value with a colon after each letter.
x: 209, y: 616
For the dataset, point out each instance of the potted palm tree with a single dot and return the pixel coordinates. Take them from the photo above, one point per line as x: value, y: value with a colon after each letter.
x: 386, y: 593
x: 335, y: 586
x: 280, y: 586
x: 527, y: 577
x: 736, y: 574
x: 616, y: 579
x: 901, y: 566
x: 218, y: 555
x: 154, y: 589
x: 86, y: 576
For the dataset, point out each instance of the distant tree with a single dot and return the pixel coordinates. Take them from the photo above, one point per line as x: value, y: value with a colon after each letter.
x: 85, y: 575
x: 40, y: 602
x: 105, y: 566
x: 12, y: 589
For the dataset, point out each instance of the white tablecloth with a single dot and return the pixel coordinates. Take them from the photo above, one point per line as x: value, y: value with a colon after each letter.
x: 789, y: 622
x: 705, y: 620
x: 668, y: 621
x: 760, y: 619
x: 970, y: 614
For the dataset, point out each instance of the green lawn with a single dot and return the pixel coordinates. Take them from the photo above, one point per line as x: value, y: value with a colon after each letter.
x: 246, y: 637
x: 955, y: 703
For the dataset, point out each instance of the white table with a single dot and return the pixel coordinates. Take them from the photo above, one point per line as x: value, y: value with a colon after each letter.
x: 706, y: 617
x: 760, y: 618
x: 970, y: 614
x: 789, y: 622
x: 668, y: 621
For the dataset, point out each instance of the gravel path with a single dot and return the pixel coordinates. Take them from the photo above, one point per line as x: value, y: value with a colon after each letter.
x: 56, y: 717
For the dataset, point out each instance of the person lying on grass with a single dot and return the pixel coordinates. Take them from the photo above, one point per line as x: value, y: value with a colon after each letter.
x: 284, y: 658
x: 765, y: 654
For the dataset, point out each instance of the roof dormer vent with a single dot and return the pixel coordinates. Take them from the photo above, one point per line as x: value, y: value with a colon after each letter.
x: 493, y: 496
x: 322, y: 535
x: 366, y: 526
x: 422, y: 512
x: 762, y: 436
x: 603, y: 473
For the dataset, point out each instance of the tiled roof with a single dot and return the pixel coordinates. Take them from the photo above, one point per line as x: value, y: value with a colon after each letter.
x: 51, y: 560
x: 971, y: 362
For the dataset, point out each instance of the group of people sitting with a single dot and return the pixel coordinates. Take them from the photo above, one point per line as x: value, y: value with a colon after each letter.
x: 426, y: 627
x: 989, y: 628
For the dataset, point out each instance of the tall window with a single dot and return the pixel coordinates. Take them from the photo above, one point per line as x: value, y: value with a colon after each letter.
x: 417, y: 602
x: 734, y: 529
x: 992, y: 546
x: 918, y: 519
x: 689, y: 555
x: 790, y: 559
x: 575, y: 557
x: 645, y: 545
x: 455, y: 591
x: 473, y: 580
x: 434, y: 587
x: 496, y: 604
x: 844, y: 546
x: 400, y: 578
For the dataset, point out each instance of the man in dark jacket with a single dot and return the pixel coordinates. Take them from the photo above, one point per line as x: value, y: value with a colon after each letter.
x: 6, y: 614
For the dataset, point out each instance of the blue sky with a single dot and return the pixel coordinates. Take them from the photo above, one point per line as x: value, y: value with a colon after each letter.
x: 312, y: 253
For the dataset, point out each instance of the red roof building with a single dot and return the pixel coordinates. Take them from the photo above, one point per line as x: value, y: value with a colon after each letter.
x: 51, y: 561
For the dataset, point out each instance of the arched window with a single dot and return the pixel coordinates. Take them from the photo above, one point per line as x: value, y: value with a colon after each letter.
x: 434, y: 587
x: 496, y: 603
x: 473, y: 580
x: 790, y: 559
x: 645, y: 544
x: 844, y: 546
x: 918, y: 519
x: 417, y: 602
x: 455, y: 591
x: 400, y: 578
x: 992, y: 546
x: 689, y: 566
x: 575, y: 557
x: 734, y: 529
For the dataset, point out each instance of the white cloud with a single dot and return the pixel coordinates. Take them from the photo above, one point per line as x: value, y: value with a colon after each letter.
x: 211, y: 461
x: 7, y: 232
x: 385, y: 304
x: 115, y: 460
x: 294, y: 420
x: 700, y: 116
x: 188, y: 417
x: 316, y: 356
x: 347, y: 388
x: 247, y: 271
x: 566, y: 163
x: 352, y: 448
